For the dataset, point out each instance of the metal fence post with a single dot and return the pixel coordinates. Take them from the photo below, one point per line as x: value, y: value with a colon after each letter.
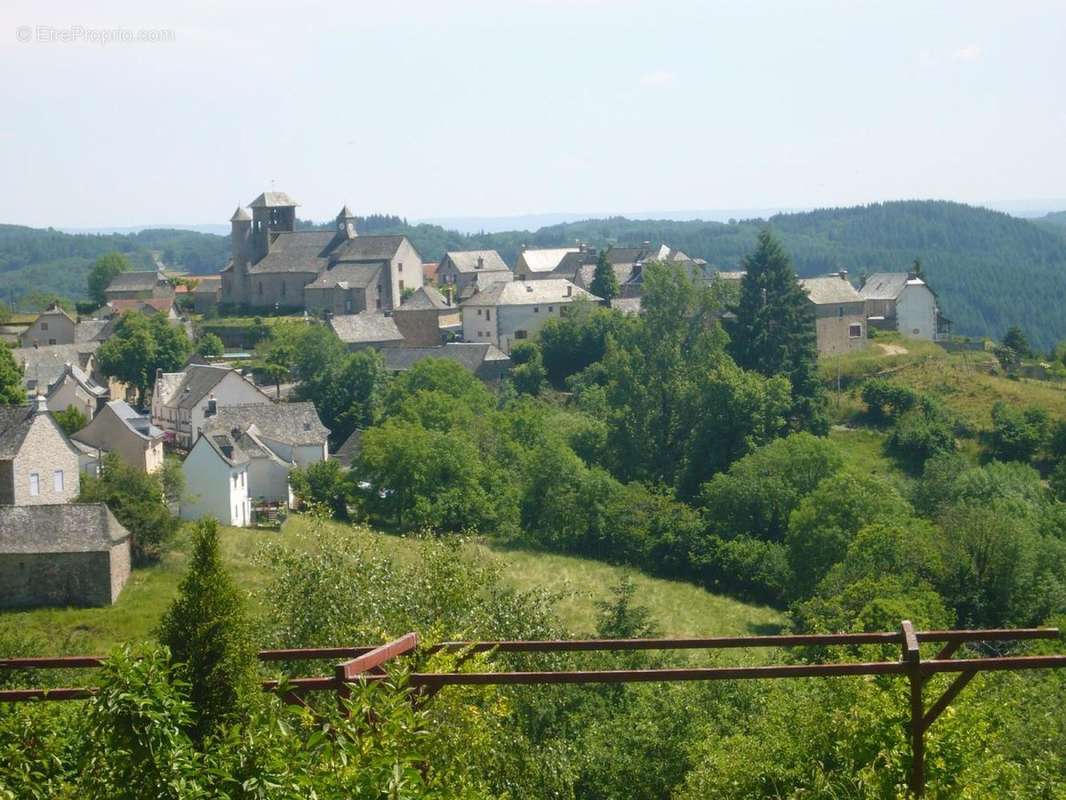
x: 912, y: 657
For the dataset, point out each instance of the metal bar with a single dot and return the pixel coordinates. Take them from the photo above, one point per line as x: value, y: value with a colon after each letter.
x: 376, y: 657
x: 911, y: 653
x: 300, y: 685
x: 950, y: 694
x: 917, y: 776
x: 19, y: 695
x: 988, y: 635
x: 306, y: 654
x: 49, y: 662
x: 947, y: 651
x: 993, y: 664
x: 656, y: 675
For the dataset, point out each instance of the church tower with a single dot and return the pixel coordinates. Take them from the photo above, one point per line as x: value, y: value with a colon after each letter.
x: 346, y: 224
x: 272, y: 212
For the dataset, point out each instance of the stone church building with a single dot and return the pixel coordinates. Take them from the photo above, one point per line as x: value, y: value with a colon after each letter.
x: 273, y: 265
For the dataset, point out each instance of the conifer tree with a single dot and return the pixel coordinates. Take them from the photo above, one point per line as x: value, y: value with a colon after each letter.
x: 604, y: 281
x: 12, y: 392
x: 774, y: 331
x: 207, y: 630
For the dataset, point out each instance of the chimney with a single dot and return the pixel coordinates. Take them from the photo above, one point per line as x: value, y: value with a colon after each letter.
x: 40, y: 404
x: 480, y: 262
x: 843, y: 274
x: 212, y: 406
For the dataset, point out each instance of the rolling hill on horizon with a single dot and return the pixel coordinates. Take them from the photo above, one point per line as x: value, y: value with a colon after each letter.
x: 991, y: 270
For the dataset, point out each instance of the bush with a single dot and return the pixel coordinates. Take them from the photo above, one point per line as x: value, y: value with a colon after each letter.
x: 921, y: 434
x: 887, y: 400
x: 324, y: 483
x: 1017, y: 434
x: 71, y: 419
x: 207, y: 630
x: 528, y: 372
x: 210, y: 346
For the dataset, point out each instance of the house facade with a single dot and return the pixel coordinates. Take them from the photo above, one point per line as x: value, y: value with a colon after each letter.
x: 139, y: 286
x: 461, y: 273
x: 38, y: 464
x: 182, y: 401
x: 61, y: 555
x: 216, y: 482
x: 292, y: 431
x: 121, y: 430
x: 541, y: 263
x: 839, y: 311
x: 425, y: 317
x: 509, y: 312
x: 76, y: 389
x: 903, y: 302
x: 273, y: 265
x: 52, y: 326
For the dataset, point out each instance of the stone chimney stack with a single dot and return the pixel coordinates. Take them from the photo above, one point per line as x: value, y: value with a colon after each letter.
x: 40, y: 403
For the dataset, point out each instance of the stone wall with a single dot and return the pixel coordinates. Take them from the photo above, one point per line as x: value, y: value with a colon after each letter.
x: 834, y: 329
x: 45, y: 450
x: 59, y: 579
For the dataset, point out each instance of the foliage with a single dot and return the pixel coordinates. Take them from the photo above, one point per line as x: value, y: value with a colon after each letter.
x: 920, y: 434
x: 141, y: 345
x: 1017, y: 434
x: 527, y: 373
x: 573, y: 342
x: 106, y: 268
x: 210, y: 345
x: 887, y: 400
x: 207, y: 630
x: 323, y: 483
x: 604, y: 282
x: 773, y: 332
x: 12, y: 390
x: 1016, y: 340
x: 137, y: 500
x: 71, y: 419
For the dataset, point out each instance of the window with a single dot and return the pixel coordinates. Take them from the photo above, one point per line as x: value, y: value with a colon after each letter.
x: 401, y: 286
x: 520, y: 334
x: 283, y: 288
x: 260, y: 288
x: 378, y: 302
x: 550, y: 309
x: 57, y: 480
x: 399, y: 268
x: 854, y: 331
x: 488, y: 313
x: 840, y: 312
x: 479, y: 312
x: 35, y: 484
x: 234, y: 481
x: 44, y: 326
x: 536, y: 309
x: 51, y: 341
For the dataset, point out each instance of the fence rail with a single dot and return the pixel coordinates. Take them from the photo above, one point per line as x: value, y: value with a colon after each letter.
x: 367, y: 663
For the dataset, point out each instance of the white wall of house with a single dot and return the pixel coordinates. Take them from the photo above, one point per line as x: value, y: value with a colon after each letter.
x: 187, y: 423
x: 405, y: 272
x: 479, y: 324
x: 50, y: 327
x: 269, y: 480
x: 71, y: 393
x: 513, y: 320
x: 916, y: 312
x: 214, y: 488
x: 301, y: 455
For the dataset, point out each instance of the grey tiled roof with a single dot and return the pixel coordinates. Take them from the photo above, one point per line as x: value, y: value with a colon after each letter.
x: 15, y: 422
x: 523, y: 293
x: 224, y: 447
x: 137, y: 422
x: 888, y: 285
x: 470, y: 355
x: 241, y: 215
x: 365, y: 328
x: 466, y: 261
x: 134, y: 281
x: 295, y: 251
x: 196, y: 383
x: 291, y: 423
x: 93, y: 330
x: 368, y: 248
x: 272, y: 200
x: 347, y: 451
x: 59, y: 528
x: 347, y: 275
x: 830, y: 289
x: 44, y: 364
x: 425, y: 299
x: 86, y: 383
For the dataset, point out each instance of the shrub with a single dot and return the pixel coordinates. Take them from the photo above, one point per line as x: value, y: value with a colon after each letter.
x: 921, y: 434
x: 71, y: 419
x: 1017, y: 434
x: 887, y: 400
x: 324, y: 483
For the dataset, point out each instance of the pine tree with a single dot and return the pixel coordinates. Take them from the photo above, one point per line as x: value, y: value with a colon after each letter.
x: 12, y: 392
x: 207, y: 630
x: 774, y: 331
x: 604, y: 281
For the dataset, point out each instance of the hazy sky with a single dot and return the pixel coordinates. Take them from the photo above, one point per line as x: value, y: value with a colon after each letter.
x: 442, y: 108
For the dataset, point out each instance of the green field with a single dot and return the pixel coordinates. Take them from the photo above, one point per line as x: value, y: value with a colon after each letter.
x: 678, y: 609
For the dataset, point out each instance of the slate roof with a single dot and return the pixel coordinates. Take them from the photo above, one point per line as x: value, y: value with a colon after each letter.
x: 425, y: 299
x: 365, y: 328
x: 207, y: 284
x: 830, y: 289
x: 295, y: 251
x: 187, y: 389
x: 622, y: 271
x: 291, y: 423
x: 273, y: 200
x: 255, y: 448
x: 86, y: 383
x: 44, y: 364
x: 347, y: 276
x: 888, y: 285
x: 224, y: 447
x: 368, y: 248
x: 466, y: 260
x: 545, y: 259
x: 524, y: 293
x: 140, y: 424
x: 15, y: 423
x: 241, y: 215
x: 347, y: 451
x: 145, y: 305
x: 134, y: 281
x: 93, y: 330
x: 471, y: 355
x: 59, y: 528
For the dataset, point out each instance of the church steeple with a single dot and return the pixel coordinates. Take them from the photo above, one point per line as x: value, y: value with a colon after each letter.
x: 346, y: 223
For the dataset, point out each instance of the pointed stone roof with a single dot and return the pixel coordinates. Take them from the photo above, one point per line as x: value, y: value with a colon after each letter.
x: 241, y: 215
x: 424, y: 299
x: 273, y: 200
x: 346, y: 213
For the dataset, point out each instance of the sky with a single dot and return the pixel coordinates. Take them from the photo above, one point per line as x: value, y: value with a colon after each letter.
x: 442, y: 108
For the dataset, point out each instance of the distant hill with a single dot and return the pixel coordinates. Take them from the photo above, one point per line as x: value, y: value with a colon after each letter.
x: 990, y: 269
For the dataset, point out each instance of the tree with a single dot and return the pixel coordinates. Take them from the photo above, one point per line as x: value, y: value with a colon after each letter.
x: 1017, y: 434
x: 918, y: 269
x: 12, y: 391
x: 571, y: 343
x: 137, y: 500
x: 604, y: 281
x: 528, y: 372
x: 324, y: 483
x: 1017, y: 341
x: 210, y: 346
x: 140, y: 346
x: 103, y: 272
x: 207, y: 630
x: 774, y: 331
x: 71, y: 419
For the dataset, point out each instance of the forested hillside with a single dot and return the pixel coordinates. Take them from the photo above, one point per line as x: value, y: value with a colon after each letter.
x: 991, y: 270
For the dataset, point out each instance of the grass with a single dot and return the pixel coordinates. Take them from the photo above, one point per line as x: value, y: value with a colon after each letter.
x: 678, y: 609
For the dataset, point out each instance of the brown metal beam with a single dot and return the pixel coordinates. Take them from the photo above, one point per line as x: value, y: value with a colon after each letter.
x: 950, y: 694
x: 350, y: 670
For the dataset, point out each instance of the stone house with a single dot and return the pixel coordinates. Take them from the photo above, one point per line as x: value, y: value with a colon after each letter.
x: 840, y: 313
x: 216, y: 481
x: 61, y: 555
x: 74, y: 388
x: 52, y: 326
x: 425, y: 317
x: 292, y: 431
x: 139, y: 286
x: 461, y: 273
x: 367, y: 329
x: 901, y: 301
x: 43, y: 366
x: 273, y: 265
x: 120, y: 429
x: 207, y: 293
x: 510, y: 312
x: 38, y: 464
x: 182, y: 401
x: 268, y: 473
